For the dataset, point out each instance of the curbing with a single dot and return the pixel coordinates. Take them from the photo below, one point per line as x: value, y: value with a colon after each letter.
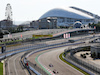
x: 36, y: 59
x: 41, y: 49
x: 50, y: 48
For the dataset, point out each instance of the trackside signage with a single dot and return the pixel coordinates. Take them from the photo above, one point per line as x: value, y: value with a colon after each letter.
x: 42, y: 36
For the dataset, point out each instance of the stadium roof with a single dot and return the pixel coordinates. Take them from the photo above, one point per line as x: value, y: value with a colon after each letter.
x: 66, y: 12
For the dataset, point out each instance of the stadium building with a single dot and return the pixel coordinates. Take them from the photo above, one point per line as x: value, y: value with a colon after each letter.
x: 66, y: 17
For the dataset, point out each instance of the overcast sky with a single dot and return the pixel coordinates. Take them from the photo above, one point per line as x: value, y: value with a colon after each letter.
x: 28, y: 10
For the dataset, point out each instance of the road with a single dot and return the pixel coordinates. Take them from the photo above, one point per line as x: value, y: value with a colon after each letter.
x: 13, y: 66
x: 52, y: 57
x: 54, y: 32
x: 47, y: 42
x: 28, y: 34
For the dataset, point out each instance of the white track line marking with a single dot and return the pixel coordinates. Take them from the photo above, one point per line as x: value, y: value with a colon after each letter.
x: 9, y: 65
x: 15, y: 65
x: 8, y: 68
x: 69, y: 65
x: 45, y: 66
x: 9, y: 71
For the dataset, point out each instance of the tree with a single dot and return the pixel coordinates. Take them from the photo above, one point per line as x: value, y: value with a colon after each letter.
x: 89, y: 24
x: 11, y: 30
x: 97, y: 26
x: 94, y: 55
x: 20, y: 28
x: 1, y: 35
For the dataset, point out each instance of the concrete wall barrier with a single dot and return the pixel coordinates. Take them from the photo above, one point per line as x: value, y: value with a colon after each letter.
x: 47, y: 49
x: 78, y: 66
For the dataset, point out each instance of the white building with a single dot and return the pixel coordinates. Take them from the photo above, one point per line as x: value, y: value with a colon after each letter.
x: 4, y: 24
x: 68, y: 16
x: 45, y: 23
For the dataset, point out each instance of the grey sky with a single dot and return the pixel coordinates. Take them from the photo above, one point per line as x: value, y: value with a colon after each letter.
x: 28, y: 10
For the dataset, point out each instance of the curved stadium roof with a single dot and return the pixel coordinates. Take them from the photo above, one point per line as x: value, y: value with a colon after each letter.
x: 67, y: 12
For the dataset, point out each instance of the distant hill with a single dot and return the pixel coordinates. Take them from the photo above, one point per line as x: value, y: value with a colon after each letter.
x: 22, y: 22
x: 25, y: 23
x: 18, y: 22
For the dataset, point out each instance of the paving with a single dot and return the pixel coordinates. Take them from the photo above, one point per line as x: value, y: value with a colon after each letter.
x: 88, y: 58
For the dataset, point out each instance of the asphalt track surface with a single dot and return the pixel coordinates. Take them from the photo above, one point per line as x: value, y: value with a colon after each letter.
x: 28, y: 34
x: 47, y: 42
x: 52, y: 57
x: 14, y: 67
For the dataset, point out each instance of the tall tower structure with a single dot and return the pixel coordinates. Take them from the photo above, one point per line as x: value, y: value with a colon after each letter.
x: 8, y: 16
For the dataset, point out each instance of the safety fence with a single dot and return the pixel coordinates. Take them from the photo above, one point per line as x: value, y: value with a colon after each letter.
x: 86, y: 65
x: 18, y: 50
x: 37, y: 70
x: 43, y: 50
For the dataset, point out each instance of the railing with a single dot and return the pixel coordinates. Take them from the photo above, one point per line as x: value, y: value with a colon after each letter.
x: 23, y: 63
x: 47, y: 49
x: 62, y: 44
x: 36, y: 69
x: 90, y: 67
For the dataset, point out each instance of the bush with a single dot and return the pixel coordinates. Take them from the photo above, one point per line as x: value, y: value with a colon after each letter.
x: 83, y: 55
x: 87, y: 53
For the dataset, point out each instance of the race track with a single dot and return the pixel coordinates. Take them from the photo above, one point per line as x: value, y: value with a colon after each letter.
x: 53, y: 57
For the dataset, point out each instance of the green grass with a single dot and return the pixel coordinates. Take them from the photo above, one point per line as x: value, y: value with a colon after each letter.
x: 1, y: 68
x: 13, y: 45
x: 85, y: 73
x: 10, y: 41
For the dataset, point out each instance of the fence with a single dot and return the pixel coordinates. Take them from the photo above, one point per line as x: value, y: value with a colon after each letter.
x: 87, y: 64
x: 36, y: 68
x: 31, y: 47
